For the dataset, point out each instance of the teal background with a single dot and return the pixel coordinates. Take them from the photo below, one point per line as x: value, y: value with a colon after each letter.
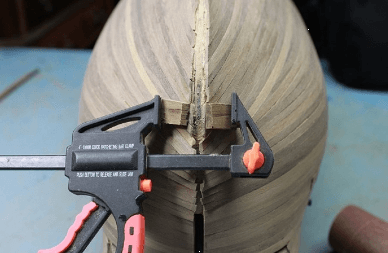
x: 38, y: 118
x: 354, y: 169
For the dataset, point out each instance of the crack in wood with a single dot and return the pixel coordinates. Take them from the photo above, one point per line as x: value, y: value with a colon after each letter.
x: 199, y: 88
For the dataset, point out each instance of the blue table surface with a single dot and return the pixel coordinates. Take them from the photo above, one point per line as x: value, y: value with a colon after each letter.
x: 39, y: 117
x: 354, y: 169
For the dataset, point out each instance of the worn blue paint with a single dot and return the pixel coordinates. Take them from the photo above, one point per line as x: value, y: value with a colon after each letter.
x: 38, y: 118
x: 354, y: 167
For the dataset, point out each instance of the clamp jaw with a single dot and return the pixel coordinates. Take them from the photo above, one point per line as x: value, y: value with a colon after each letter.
x: 110, y: 165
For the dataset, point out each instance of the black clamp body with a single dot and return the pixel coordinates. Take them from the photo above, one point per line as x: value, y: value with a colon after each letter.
x: 107, y: 165
x: 103, y: 164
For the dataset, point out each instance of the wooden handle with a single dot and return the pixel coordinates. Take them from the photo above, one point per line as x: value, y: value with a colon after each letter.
x: 357, y: 231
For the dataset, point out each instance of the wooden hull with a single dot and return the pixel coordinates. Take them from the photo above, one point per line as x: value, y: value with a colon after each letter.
x: 200, y: 52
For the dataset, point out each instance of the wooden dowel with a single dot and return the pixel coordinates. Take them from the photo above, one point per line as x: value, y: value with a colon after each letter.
x: 18, y: 83
x: 357, y: 231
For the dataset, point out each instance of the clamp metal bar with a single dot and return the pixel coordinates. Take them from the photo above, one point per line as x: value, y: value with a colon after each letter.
x: 188, y: 162
x: 29, y: 162
x: 157, y: 162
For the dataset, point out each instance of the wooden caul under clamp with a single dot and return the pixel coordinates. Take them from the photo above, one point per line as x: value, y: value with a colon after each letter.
x: 177, y: 113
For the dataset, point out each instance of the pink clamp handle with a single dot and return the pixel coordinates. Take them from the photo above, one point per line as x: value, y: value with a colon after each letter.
x: 134, y: 233
x: 73, y: 230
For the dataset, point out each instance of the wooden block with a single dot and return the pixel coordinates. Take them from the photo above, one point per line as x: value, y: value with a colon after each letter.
x: 175, y: 112
x: 218, y: 116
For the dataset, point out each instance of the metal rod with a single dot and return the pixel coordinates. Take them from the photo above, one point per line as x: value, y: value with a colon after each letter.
x: 157, y: 162
x: 52, y: 162
x: 188, y: 162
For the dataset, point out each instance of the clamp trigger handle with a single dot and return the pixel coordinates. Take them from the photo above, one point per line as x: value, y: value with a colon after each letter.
x: 134, y: 234
x: 83, y: 230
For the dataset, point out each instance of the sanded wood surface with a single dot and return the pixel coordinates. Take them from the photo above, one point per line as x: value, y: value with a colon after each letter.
x: 195, y: 54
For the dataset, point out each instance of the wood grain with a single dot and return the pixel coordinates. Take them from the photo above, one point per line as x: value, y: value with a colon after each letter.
x: 195, y: 54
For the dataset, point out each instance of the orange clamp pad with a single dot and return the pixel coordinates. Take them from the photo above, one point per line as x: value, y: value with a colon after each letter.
x: 253, y: 159
x: 145, y: 185
x: 134, y: 234
x: 73, y: 230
